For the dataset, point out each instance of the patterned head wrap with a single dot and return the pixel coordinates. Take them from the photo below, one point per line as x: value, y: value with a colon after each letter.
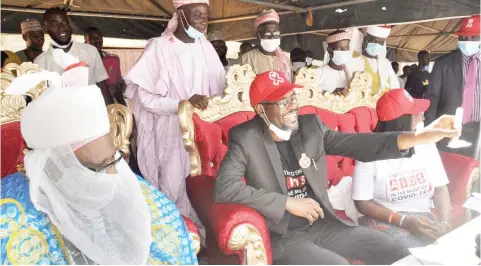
x: 30, y: 25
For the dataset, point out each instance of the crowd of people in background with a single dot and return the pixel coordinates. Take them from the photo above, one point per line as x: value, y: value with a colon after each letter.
x: 179, y: 65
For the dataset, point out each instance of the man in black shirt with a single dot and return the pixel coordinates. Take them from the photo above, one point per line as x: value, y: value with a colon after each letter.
x: 418, y: 81
x: 282, y: 157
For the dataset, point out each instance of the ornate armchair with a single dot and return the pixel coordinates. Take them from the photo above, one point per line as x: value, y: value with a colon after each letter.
x: 237, y: 234
x: 11, y: 107
x: 121, y: 124
x: 12, y: 143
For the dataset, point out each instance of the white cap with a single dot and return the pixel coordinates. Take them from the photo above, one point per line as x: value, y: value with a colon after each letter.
x: 379, y: 31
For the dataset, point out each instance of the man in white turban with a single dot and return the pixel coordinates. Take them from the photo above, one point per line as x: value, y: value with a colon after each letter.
x: 175, y: 66
x: 82, y: 204
x: 373, y: 60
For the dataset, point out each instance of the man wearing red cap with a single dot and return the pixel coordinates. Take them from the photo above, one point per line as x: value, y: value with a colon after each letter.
x: 455, y: 82
x: 283, y: 159
x: 268, y: 55
x: 373, y: 59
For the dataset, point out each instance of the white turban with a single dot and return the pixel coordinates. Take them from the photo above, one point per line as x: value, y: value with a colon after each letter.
x: 87, y: 207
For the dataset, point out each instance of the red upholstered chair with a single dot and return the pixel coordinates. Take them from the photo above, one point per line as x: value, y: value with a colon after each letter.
x: 237, y: 234
x: 11, y: 106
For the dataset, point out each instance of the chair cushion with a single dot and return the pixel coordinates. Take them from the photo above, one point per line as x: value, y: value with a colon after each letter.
x: 212, y: 138
x: 11, y: 148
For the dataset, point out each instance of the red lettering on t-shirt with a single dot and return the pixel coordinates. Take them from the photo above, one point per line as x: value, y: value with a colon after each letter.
x: 420, y: 177
x: 393, y: 184
x: 295, y: 182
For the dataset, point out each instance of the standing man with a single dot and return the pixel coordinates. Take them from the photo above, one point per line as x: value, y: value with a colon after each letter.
x: 455, y: 82
x: 373, y: 59
x: 298, y: 59
x: 57, y: 25
x: 418, y: 81
x: 220, y: 47
x: 395, y: 68
x: 32, y: 34
x: 114, y: 83
x: 175, y: 66
x: 282, y: 157
x: 268, y: 56
x: 334, y: 75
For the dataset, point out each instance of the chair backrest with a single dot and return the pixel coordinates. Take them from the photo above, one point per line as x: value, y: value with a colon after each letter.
x: 205, y: 131
x: 11, y: 106
x: 121, y: 124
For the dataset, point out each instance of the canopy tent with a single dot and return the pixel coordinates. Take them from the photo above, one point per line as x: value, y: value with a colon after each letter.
x: 143, y: 19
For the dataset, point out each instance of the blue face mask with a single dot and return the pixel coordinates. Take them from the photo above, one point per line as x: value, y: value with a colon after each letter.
x: 426, y: 68
x: 374, y: 49
x: 468, y: 48
x: 191, y: 31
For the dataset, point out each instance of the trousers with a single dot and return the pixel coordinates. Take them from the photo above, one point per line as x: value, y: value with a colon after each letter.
x: 330, y: 242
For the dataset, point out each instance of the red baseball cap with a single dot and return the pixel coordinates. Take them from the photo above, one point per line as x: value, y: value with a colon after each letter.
x: 270, y: 86
x: 397, y: 102
x: 469, y: 26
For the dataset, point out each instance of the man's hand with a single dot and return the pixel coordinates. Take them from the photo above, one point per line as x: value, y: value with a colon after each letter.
x: 306, y: 208
x: 199, y: 101
x: 441, y: 128
x: 421, y: 226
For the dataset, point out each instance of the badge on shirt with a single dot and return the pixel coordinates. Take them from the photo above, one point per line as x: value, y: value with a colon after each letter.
x: 304, y: 162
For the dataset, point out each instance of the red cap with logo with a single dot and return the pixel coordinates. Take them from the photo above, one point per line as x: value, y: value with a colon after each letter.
x: 469, y: 26
x: 270, y: 86
x: 397, y: 102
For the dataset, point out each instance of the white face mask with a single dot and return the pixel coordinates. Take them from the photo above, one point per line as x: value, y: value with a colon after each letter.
x: 80, y: 203
x: 298, y: 65
x: 270, y: 45
x: 280, y: 133
x: 341, y: 57
x: 191, y: 31
x: 309, y: 61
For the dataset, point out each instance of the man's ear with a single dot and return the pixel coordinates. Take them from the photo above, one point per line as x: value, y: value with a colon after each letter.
x: 24, y: 36
x: 259, y: 110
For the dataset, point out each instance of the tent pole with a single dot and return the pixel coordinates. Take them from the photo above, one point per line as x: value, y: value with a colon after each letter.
x: 416, y: 51
x: 436, y: 30
x: 316, y: 32
x: 232, y: 19
x: 424, y: 35
x: 345, y: 3
x: 86, y: 14
x: 273, y: 5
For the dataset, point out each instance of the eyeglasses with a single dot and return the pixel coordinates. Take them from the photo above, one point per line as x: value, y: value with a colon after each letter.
x: 283, y: 103
x: 107, y: 166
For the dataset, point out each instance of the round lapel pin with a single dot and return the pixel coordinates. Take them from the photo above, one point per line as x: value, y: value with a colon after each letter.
x: 304, y: 162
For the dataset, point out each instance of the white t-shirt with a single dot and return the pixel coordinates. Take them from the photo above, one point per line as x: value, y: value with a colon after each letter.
x: 405, y: 184
x: 331, y: 79
x: 85, y: 52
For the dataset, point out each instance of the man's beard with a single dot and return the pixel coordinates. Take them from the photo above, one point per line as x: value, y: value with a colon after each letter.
x: 62, y: 43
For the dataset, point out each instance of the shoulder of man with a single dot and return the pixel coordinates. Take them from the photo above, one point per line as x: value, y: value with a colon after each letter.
x: 308, y: 118
x: 42, y: 57
x: 446, y: 58
x: 246, y: 129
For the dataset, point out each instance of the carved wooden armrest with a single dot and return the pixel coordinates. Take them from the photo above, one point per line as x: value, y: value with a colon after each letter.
x: 246, y: 239
x: 121, y: 124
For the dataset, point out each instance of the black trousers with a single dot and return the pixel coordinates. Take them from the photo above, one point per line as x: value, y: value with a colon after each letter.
x: 328, y: 241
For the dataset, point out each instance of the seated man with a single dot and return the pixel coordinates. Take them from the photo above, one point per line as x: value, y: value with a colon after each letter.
x: 396, y: 195
x: 79, y: 203
x: 334, y: 76
x: 283, y: 159
x: 268, y: 55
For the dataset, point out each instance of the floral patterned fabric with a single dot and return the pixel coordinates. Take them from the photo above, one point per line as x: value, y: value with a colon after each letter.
x: 28, y: 237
